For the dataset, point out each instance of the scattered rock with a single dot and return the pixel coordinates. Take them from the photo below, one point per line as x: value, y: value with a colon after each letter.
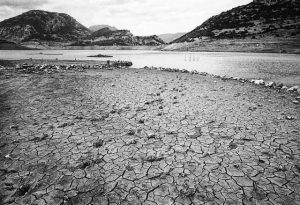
x: 252, y: 108
x: 232, y: 145
x: 132, y: 142
x: 84, y: 165
x: 98, y: 144
x: 151, y: 136
x: 296, y: 102
x: 280, y: 85
x: 131, y: 132
x: 22, y: 190
x: 7, y: 156
x: 15, y: 127
x: 292, y: 89
x: 152, y: 158
x: 270, y: 84
x: 258, y: 82
x: 66, y: 124
x: 289, y: 117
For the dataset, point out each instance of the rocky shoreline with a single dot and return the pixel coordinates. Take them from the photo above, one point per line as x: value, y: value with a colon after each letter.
x: 51, y: 68
x: 295, y: 90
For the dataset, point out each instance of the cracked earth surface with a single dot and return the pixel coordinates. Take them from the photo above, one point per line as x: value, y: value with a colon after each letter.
x: 146, y: 137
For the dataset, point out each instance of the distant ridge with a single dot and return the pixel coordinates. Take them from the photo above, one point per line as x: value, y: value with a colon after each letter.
x: 108, y: 37
x: 98, y: 27
x: 169, y: 37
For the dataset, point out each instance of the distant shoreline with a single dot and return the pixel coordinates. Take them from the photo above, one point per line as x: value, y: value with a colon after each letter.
x: 263, y: 45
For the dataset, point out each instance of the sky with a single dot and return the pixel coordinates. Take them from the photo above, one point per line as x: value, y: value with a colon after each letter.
x: 141, y: 17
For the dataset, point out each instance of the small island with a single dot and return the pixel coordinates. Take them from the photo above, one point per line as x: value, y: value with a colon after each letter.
x: 100, y: 56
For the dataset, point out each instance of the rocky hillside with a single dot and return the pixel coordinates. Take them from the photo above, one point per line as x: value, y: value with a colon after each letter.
x: 153, y: 40
x: 98, y: 27
x: 42, y: 25
x: 108, y: 37
x: 255, y: 20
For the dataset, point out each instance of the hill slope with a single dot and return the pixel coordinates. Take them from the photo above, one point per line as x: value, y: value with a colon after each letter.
x: 255, y: 20
x: 108, y: 37
x: 42, y: 25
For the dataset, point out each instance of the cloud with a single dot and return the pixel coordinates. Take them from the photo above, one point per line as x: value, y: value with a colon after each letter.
x: 23, y: 4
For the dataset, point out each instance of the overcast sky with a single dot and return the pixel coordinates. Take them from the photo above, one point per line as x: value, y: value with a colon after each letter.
x: 142, y: 17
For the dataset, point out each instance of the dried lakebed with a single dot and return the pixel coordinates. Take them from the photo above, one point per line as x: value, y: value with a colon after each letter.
x: 127, y: 136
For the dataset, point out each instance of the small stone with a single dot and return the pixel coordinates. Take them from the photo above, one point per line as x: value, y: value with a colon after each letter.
x: 297, y: 98
x: 152, y: 158
x: 289, y: 117
x: 292, y: 89
x: 270, y: 84
x: 296, y: 102
x: 98, y: 144
x: 130, y: 132
x: 14, y: 127
x: 257, y: 82
x: 233, y: 145
x: 280, y: 85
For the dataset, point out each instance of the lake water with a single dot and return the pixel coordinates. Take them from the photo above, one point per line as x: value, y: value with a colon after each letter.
x: 283, y: 68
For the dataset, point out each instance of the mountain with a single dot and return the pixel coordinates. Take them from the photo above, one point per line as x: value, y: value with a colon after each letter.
x: 42, y: 29
x: 42, y: 25
x: 108, y: 37
x: 260, y: 18
x: 169, y: 37
x: 98, y: 27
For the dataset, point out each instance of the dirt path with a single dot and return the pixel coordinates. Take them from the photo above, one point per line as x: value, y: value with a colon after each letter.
x: 146, y: 137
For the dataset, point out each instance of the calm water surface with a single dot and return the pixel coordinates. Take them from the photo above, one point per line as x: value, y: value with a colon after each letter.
x: 283, y: 68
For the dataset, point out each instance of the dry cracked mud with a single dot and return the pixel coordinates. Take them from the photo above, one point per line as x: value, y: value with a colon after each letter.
x: 146, y: 137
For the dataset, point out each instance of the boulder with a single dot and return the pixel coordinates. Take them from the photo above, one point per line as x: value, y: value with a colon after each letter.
x: 292, y: 89
x: 258, y: 82
x: 270, y: 84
